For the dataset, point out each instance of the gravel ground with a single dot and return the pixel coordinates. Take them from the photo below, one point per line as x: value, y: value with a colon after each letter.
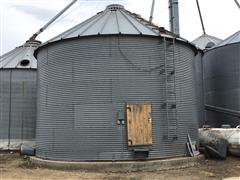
x: 12, y: 166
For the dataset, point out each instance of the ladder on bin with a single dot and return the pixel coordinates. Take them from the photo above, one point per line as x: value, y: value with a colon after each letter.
x: 170, y: 99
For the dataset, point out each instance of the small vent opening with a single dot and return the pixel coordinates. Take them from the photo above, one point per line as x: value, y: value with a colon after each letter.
x: 25, y: 62
x: 114, y: 7
x: 210, y: 45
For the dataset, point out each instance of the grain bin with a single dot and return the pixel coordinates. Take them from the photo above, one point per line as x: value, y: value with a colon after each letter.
x: 202, y: 42
x: 221, y: 78
x: 115, y: 87
x: 198, y: 80
x: 18, y: 96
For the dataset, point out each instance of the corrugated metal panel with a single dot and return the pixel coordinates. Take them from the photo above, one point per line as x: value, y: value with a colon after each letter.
x: 235, y: 38
x: 113, y: 20
x: 204, y: 39
x: 14, y: 58
x: 221, y: 78
x: 85, y: 82
x: 198, y: 70
x: 216, y: 119
x: 4, y: 109
x: 18, y: 107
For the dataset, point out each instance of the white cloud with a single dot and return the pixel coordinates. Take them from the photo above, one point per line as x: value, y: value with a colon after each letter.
x: 21, y: 18
x: 40, y: 14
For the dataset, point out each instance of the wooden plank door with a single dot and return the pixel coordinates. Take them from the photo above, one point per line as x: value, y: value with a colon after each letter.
x: 139, y: 124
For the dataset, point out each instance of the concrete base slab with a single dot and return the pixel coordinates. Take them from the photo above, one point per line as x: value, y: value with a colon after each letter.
x: 14, y: 144
x: 129, y: 166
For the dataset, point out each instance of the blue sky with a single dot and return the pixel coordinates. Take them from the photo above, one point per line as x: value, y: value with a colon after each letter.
x: 19, y: 19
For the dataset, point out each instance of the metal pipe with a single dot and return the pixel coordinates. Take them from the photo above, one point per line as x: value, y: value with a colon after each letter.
x: 223, y: 110
x: 201, y: 19
x: 174, y: 17
x: 34, y: 36
x: 27, y: 150
x: 152, y: 11
x: 237, y: 3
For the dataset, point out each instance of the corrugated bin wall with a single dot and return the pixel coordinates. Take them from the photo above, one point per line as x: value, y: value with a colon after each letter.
x: 18, y: 107
x: 18, y: 80
x: 221, y: 79
x: 85, y: 82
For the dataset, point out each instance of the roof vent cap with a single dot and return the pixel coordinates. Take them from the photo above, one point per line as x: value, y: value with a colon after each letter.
x: 114, y: 7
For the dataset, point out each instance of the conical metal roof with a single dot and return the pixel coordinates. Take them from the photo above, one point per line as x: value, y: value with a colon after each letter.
x: 235, y: 38
x: 202, y: 41
x: 113, y: 20
x: 20, y: 57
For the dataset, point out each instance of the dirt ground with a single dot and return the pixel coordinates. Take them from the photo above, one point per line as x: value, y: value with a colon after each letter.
x: 12, y: 166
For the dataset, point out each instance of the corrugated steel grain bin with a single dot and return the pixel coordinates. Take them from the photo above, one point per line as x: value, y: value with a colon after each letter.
x: 114, y: 88
x: 202, y: 42
x: 221, y: 78
x: 18, y: 77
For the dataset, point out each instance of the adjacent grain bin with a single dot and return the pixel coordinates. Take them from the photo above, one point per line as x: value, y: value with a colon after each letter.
x: 205, y: 40
x: 115, y: 87
x: 18, y: 77
x: 202, y: 42
x: 221, y: 78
